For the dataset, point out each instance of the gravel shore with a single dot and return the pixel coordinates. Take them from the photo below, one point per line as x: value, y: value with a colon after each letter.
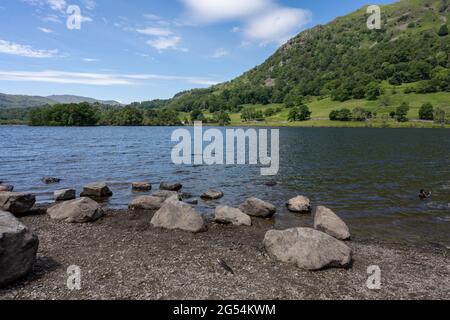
x: 122, y: 256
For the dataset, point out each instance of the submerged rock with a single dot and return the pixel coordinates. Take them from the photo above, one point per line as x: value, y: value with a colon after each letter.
x: 212, y: 195
x: 192, y: 201
x: 300, y: 204
x: 271, y: 183
x: 17, y: 203
x: 226, y: 214
x: 64, y: 194
x: 76, y: 211
x: 258, y: 208
x: 171, y: 186
x: 307, y: 248
x: 327, y: 221
x: 51, y: 180
x: 97, y: 190
x: 178, y: 215
x: 146, y: 203
x: 6, y: 188
x: 141, y: 186
x: 18, y: 248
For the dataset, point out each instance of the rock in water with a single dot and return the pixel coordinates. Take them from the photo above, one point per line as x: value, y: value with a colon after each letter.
x: 299, y: 204
x: 327, y: 221
x: 258, y: 208
x: 171, y: 186
x: 76, y: 211
x: 50, y: 180
x: 141, y: 186
x: 178, y: 215
x: 212, y: 195
x: 166, y: 194
x: 64, y: 194
x: 17, y: 203
x: 6, y: 188
x: 226, y: 214
x: 18, y: 248
x: 96, y: 190
x: 146, y: 203
x: 307, y: 248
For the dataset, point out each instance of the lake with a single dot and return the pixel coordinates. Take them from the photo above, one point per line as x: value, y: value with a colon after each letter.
x: 370, y: 177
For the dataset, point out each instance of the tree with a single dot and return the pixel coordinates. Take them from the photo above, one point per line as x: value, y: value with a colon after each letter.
x: 443, y: 31
x: 373, y: 91
x: 301, y: 113
x: 222, y: 118
x: 360, y: 114
x: 341, y: 115
x: 197, y: 115
x: 426, y: 112
x: 402, y: 112
x: 440, y: 115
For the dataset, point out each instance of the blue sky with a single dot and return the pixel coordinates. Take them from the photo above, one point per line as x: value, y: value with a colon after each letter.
x: 135, y: 50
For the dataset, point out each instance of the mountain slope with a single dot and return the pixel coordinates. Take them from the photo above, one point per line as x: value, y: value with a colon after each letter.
x: 345, y: 60
x: 78, y: 99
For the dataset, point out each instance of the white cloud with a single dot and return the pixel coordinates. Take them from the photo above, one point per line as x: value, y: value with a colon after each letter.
x: 16, y: 49
x: 58, y: 5
x: 204, y: 11
x: 89, y: 60
x: 164, y: 43
x: 220, y: 53
x: 90, y: 4
x: 96, y: 79
x: 46, y: 30
x: 155, y: 31
x: 277, y: 25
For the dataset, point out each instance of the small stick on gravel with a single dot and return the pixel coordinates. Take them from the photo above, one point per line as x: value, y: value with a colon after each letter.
x: 225, y: 266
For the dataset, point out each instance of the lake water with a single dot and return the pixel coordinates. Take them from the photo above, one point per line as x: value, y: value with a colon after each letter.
x: 370, y: 177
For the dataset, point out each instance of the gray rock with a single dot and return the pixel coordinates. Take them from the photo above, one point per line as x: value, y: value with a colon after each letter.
x: 166, y: 194
x: 178, y: 215
x: 96, y: 190
x: 307, y: 248
x: 192, y: 201
x: 212, y: 195
x: 327, y: 221
x: 146, y: 203
x: 171, y: 186
x: 141, y: 186
x: 258, y: 208
x: 18, y: 248
x: 226, y: 214
x: 76, y: 211
x: 64, y: 194
x: 6, y: 188
x: 299, y: 204
x: 51, y: 180
x: 17, y: 203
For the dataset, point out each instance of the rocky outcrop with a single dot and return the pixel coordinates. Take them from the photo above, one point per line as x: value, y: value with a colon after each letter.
x: 76, y: 211
x: 6, y: 188
x: 141, y: 186
x: 299, y: 204
x: 50, y: 180
x: 258, y: 208
x: 226, y: 214
x: 96, y: 190
x: 171, y: 186
x: 307, y: 248
x: 17, y: 203
x: 178, y: 215
x: 64, y: 194
x: 327, y: 221
x: 212, y: 195
x: 18, y: 248
x: 146, y: 203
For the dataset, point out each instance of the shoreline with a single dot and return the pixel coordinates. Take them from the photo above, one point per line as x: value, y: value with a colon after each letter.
x: 122, y: 256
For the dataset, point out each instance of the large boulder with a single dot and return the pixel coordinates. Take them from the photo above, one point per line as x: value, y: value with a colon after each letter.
x: 300, y: 204
x: 6, y: 188
x: 17, y: 203
x: 212, y: 195
x: 146, y: 203
x: 178, y: 215
x: 327, y: 221
x: 18, y: 248
x: 141, y: 186
x: 171, y: 186
x: 64, y: 194
x: 226, y: 214
x: 76, y: 211
x: 307, y: 248
x: 96, y: 190
x: 258, y: 208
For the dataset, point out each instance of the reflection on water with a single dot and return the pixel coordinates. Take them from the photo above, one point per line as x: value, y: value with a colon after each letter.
x: 370, y: 177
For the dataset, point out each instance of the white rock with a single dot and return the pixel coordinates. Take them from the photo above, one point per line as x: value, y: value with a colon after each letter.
x: 258, y: 208
x: 226, y: 214
x: 178, y: 215
x: 327, y: 221
x: 76, y: 211
x: 299, y: 204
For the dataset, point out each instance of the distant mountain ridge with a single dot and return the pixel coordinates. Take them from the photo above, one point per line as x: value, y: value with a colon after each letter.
x: 8, y: 101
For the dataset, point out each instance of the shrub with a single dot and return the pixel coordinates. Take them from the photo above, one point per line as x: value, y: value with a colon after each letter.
x: 402, y: 112
x: 426, y: 112
x: 301, y: 113
x: 341, y: 115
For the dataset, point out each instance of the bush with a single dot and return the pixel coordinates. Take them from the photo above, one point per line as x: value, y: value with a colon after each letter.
x: 402, y: 112
x: 361, y: 114
x: 426, y: 112
x: 301, y: 113
x: 222, y: 118
x: 443, y: 31
x: 341, y: 115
